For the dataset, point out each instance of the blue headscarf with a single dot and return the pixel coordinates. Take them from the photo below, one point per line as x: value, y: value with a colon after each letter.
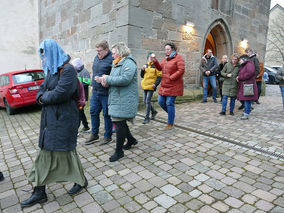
x: 53, y: 57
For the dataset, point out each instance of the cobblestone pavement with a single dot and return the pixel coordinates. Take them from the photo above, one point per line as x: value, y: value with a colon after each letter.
x: 168, y: 171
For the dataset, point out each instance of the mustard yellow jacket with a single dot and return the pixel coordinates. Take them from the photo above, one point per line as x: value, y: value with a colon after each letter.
x: 150, y: 76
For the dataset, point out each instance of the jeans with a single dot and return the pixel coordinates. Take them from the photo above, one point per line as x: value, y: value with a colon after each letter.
x: 282, y: 94
x: 122, y: 132
x: 224, y: 103
x: 83, y: 118
x: 258, y: 83
x: 247, y: 105
x: 212, y: 80
x: 147, y: 100
x: 97, y: 104
x: 168, y: 104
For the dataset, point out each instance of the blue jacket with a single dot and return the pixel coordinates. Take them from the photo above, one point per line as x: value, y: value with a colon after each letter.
x: 123, y: 93
x: 101, y: 67
x: 59, y: 115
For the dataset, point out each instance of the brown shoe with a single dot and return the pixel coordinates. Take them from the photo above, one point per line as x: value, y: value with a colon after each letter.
x: 169, y: 126
x: 93, y: 138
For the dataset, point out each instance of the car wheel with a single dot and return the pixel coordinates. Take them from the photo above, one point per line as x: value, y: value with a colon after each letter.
x: 9, y: 110
x: 271, y: 80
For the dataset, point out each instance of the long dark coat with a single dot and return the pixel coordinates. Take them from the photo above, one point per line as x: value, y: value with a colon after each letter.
x: 60, y: 115
x: 247, y: 75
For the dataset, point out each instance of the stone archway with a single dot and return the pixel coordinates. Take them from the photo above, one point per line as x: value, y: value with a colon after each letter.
x: 218, y: 38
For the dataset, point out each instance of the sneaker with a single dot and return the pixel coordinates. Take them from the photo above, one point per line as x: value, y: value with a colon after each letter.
x: 203, y: 101
x: 1, y: 176
x: 215, y: 100
x: 245, y: 117
x: 116, y: 156
x: 241, y: 107
x: 222, y: 113
x: 106, y: 141
x: 232, y: 113
x: 147, y: 120
x: 93, y: 138
x: 257, y: 102
x: 85, y: 129
x: 154, y: 115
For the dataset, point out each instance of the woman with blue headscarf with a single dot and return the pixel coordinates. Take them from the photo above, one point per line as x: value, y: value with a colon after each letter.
x: 57, y: 160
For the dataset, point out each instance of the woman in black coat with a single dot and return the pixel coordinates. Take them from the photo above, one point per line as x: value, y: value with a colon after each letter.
x: 57, y: 159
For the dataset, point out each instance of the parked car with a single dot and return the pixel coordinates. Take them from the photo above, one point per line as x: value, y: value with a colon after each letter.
x: 271, y: 72
x: 277, y: 67
x: 19, y: 88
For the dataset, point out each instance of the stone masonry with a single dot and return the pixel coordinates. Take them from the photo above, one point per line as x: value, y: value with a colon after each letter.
x: 146, y: 25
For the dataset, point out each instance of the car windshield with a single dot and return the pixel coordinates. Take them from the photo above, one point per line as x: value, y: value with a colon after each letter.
x: 28, y: 77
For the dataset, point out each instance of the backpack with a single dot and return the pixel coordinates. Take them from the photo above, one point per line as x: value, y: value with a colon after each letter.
x: 79, y: 96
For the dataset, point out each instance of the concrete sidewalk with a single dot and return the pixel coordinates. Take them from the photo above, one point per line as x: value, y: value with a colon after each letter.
x: 168, y: 171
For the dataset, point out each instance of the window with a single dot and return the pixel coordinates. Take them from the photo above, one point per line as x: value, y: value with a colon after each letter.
x: 4, y: 80
x: 28, y: 77
x: 214, y: 4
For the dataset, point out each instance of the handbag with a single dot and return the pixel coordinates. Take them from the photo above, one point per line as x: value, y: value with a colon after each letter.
x: 248, y: 89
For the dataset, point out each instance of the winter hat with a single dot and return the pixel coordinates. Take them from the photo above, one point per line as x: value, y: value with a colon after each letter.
x: 244, y: 57
x: 78, y: 64
x: 149, y: 53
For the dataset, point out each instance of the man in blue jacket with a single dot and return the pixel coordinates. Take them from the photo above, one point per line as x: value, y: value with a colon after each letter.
x: 99, y: 100
x: 208, y: 66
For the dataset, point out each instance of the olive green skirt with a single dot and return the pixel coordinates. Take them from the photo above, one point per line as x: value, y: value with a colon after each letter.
x: 52, y: 166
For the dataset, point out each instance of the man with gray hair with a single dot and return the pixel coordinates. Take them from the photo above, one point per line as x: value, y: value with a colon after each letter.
x: 99, y: 100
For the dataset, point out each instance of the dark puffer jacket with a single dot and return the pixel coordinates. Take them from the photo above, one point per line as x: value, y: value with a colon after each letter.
x: 60, y: 115
x: 101, y: 67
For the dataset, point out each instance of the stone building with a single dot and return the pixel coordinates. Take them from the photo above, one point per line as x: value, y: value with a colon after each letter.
x: 275, y: 47
x: 225, y: 26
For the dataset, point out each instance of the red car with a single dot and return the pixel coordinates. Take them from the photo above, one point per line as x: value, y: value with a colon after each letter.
x: 19, y: 88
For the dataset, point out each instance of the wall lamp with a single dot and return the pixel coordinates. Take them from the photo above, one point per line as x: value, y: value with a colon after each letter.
x: 244, y: 43
x: 189, y: 27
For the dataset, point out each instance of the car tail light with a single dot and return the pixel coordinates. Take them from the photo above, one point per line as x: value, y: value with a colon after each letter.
x: 13, y: 91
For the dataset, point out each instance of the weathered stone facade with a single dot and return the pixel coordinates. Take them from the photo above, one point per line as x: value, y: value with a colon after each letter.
x: 146, y: 25
x: 19, y: 35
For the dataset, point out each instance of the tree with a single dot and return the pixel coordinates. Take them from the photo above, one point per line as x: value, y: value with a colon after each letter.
x: 275, y: 40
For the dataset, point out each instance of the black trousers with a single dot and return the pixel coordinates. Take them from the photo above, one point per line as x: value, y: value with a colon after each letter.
x: 122, y: 132
x: 83, y: 118
x: 259, y: 83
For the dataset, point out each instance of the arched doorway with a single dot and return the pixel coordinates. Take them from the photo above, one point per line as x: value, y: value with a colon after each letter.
x: 218, y: 38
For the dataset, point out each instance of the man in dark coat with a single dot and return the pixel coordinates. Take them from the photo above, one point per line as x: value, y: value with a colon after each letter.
x: 208, y: 68
x: 99, y: 100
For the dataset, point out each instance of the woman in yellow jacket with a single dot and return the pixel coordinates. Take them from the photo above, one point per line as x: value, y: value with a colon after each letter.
x: 151, y: 79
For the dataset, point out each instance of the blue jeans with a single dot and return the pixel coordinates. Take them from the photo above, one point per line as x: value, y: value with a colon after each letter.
x: 247, y: 105
x: 282, y: 94
x: 147, y: 100
x: 168, y: 104
x: 97, y: 104
x: 224, y: 103
x: 212, y: 80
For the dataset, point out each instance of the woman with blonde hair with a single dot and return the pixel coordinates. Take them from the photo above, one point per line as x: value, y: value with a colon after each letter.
x: 123, y: 96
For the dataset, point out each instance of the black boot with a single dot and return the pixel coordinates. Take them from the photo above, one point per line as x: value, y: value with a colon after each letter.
x: 117, y: 155
x: 128, y: 145
x: 77, y: 188
x: 38, y: 196
x: 1, y: 176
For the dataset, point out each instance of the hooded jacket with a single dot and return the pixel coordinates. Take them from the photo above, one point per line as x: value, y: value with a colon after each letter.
x: 209, y: 64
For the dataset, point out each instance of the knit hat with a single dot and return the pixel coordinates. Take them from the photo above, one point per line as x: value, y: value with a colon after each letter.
x: 78, y: 64
x: 149, y: 53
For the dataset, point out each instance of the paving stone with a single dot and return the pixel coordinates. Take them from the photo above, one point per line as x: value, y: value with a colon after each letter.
x: 158, y: 210
x: 206, y: 209
x: 206, y: 199
x: 264, y: 205
x: 264, y: 195
x: 247, y: 208
x: 150, y: 205
x: 221, y: 206
x: 165, y: 201
x: 143, y: 185
x: 279, y: 201
x: 194, y: 204
x: 215, y: 184
x: 92, y: 207
x: 231, y: 201
x: 232, y: 191
x: 170, y: 190
x: 250, y: 199
x: 195, y: 193
x: 9, y: 201
x: 51, y: 207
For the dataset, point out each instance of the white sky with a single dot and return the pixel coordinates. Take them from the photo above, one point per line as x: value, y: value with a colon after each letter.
x: 274, y: 2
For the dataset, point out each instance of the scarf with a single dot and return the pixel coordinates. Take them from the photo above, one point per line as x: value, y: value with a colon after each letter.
x: 115, y: 61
